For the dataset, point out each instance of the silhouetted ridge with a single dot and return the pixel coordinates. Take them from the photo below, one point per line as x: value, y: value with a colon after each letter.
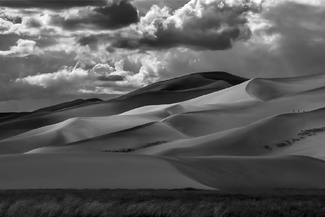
x: 195, y: 81
x: 225, y: 76
x: 8, y: 116
x: 69, y: 104
x: 11, y: 115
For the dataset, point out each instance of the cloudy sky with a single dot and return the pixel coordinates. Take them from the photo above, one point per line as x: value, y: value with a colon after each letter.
x: 57, y: 50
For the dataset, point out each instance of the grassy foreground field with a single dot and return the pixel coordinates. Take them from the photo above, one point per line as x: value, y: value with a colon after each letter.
x: 171, y: 203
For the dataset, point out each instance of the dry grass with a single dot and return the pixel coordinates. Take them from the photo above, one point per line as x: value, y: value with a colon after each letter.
x: 171, y: 203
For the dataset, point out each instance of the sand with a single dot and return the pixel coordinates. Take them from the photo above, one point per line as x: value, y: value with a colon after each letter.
x: 215, y: 131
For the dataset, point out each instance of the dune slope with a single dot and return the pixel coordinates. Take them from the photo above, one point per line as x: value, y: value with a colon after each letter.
x: 264, y: 137
x: 266, y: 89
x: 90, y: 170
x: 164, y: 92
x: 178, y: 122
x: 104, y: 170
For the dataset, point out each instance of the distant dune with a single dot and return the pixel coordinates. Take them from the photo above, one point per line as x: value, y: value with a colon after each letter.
x: 208, y: 130
x: 164, y: 92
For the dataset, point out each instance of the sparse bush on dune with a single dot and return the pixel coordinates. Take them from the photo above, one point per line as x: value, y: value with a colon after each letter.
x: 154, y: 143
x: 303, y: 134
x: 169, y: 203
x: 123, y: 150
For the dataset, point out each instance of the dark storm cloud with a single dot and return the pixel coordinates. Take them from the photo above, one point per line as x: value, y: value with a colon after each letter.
x: 51, y: 4
x: 85, y: 40
x: 111, y: 78
x: 292, y: 43
x: 117, y: 15
x: 169, y: 39
x: 198, y: 25
x: 33, y: 23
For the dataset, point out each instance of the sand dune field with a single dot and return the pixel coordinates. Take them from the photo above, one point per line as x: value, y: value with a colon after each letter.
x: 208, y: 130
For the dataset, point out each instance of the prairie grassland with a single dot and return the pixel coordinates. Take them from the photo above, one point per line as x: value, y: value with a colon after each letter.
x: 171, y: 203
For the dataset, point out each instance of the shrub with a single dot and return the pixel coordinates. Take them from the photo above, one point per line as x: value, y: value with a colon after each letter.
x: 303, y: 134
x: 134, y: 149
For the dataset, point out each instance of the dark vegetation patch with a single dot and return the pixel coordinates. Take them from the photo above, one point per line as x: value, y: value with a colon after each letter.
x: 303, y: 134
x: 134, y: 149
x: 164, y: 203
x: 267, y: 147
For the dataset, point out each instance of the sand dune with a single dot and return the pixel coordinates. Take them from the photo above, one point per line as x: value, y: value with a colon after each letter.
x: 164, y: 92
x: 255, y: 172
x: 5, y: 117
x: 204, y: 122
x: 257, y: 139
x: 266, y: 89
x: 213, y: 100
x: 133, y: 138
x: 190, y: 124
x: 249, y: 94
x: 194, y: 81
x: 178, y: 122
x: 205, y: 130
x: 69, y: 131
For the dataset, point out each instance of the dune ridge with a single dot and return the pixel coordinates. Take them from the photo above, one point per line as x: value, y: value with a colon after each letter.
x: 271, y: 88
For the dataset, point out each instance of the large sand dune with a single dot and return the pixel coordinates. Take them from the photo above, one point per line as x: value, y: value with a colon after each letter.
x: 206, y: 130
x: 164, y: 92
x: 71, y: 130
x: 191, y: 124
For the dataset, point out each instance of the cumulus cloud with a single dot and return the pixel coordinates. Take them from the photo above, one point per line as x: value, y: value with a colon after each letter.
x: 101, y: 78
x: 30, y: 28
x: 288, y: 39
x: 200, y: 24
x: 12, y: 19
x: 50, y: 4
x: 144, y: 5
x: 23, y: 48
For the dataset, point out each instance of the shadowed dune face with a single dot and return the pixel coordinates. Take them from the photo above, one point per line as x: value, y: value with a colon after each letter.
x: 106, y: 170
x: 91, y: 170
x: 205, y: 130
x: 234, y: 173
x: 192, y: 82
